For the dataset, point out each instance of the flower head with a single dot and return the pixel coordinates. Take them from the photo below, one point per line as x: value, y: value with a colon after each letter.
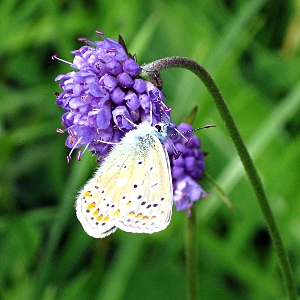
x: 187, y: 168
x: 104, y: 88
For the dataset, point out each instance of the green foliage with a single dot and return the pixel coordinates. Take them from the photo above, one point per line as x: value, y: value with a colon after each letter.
x: 251, y: 49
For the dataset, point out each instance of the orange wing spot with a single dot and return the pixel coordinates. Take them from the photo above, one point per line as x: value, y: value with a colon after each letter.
x: 117, y: 212
x: 106, y: 218
x: 87, y: 194
x: 99, y: 218
x: 145, y: 218
x: 139, y: 216
x: 91, y: 205
x: 131, y: 214
x: 96, y: 212
x: 128, y: 203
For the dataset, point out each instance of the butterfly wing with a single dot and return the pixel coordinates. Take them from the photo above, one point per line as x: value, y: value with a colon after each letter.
x: 152, y: 207
x: 132, y: 190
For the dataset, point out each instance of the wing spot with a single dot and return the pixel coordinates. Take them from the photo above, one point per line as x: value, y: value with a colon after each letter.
x: 97, y: 223
x: 155, y: 205
x: 103, y: 224
x: 162, y: 198
x: 96, y: 212
x: 135, y: 186
x: 87, y: 210
x: 103, y: 191
x: 99, y: 218
x: 96, y: 187
x: 140, y: 162
x: 151, y: 168
x: 131, y: 214
x: 143, y: 203
x: 125, y: 167
x: 139, y: 197
x: 148, y: 206
x: 112, y: 205
x: 139, y: 216
x: 155, y: 184
x: 153, y: 218
x: 91, y: 205
x: 106, y: 218
x: 128, y: 203
x: 117, y: 212
x: 87, y: 194
x: 145, y: 218
x: 107, y: 205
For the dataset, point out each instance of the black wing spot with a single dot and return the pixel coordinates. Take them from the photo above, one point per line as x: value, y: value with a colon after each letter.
x: 139, y: 197
x: 135, y: 186
x: 148, y: 206
x: 143, y: 203
x: 155, y: 205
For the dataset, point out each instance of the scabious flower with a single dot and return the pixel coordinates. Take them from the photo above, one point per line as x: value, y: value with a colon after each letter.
x: 104, y: 87
x: 187, y: 168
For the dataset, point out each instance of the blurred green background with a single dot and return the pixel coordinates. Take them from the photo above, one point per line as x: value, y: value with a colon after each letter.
x: 251, y: 48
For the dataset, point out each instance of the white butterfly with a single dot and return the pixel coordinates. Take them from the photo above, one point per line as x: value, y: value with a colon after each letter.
x: 132, y: 189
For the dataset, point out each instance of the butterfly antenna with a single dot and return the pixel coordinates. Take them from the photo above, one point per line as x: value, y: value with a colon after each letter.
x: 192, y: 130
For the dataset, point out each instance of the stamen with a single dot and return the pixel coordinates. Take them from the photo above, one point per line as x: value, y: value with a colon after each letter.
x: 59, y: 130
x: 111, y: 50
x: 79, y: 155
x: 70, y: 153
x: 71, y: 132
x: 188, y: 142
x: 100, y: 33
x: 82, y: 39
x: 55, y: 57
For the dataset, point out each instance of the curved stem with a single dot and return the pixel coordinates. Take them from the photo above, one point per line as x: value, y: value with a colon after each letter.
x: 182, y: 62
x: 191, y: 255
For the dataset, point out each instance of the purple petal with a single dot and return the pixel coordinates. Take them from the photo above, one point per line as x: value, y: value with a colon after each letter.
x: 131, y: 67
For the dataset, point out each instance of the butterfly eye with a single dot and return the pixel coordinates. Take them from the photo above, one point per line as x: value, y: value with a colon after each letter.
x: 158, y: 127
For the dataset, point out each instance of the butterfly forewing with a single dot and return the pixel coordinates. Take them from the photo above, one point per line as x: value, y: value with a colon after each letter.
x: 132, y: 189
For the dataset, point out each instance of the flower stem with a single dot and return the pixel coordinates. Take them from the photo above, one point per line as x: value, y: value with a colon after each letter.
x: 191, y: 255
x: 182, y: 62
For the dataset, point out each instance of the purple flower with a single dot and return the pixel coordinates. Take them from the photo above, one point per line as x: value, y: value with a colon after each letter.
x: 104, y: 87
x: 187, y: 168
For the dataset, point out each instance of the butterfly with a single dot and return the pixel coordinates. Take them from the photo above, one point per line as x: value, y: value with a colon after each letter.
x: 132, y: 189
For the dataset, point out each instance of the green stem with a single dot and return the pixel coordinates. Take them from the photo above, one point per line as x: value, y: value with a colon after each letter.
x: 191, y: 255
x: 182, y: 62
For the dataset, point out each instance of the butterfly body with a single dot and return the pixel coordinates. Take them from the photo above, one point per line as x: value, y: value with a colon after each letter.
x: 132, y: 189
